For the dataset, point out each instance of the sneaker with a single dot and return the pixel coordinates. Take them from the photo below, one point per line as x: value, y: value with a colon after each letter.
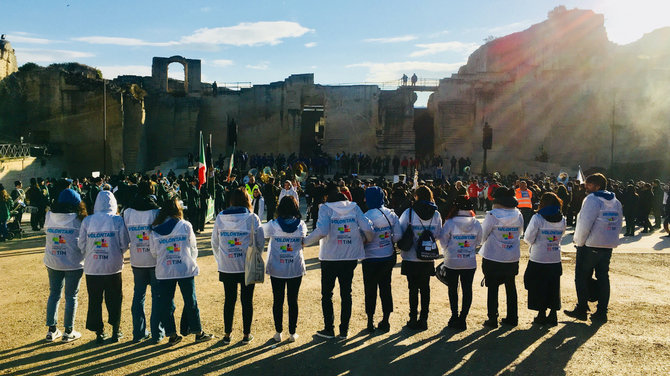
x: 116, y: 336
x: 510, y: 321
x: 226, y: 339
x: 52, y: 336
x: 100, y: 337
x: 72, y: 336
x: 277, y: 337
x: 491, y: 323
x: 599, y: 317
x: 174, y: 339
x: 576, y: 313
x: 140, y: 339
x: 326, y: 333
x: 422, y: 325
x: 293, y: 337
x: 247, y: 338
x: 343, y: 335
x: 203, y: 337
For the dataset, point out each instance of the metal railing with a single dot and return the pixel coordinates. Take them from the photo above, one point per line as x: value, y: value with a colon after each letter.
x: 21, y: 150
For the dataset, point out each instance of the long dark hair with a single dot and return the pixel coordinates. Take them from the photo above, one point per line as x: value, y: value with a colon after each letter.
x: 171, y: 209
x: 288, y: 208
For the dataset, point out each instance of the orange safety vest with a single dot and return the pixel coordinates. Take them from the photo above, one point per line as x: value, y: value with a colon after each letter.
x: 524, y: 198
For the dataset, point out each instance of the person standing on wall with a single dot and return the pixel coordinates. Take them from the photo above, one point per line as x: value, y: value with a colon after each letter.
x: 345, y: 228
x: 596, y: 234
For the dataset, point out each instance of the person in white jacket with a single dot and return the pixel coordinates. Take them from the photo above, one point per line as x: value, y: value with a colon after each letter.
x: 596, y: 233
x: 289, y: 190
x: 173, y: 245
x: 138, y: 218
x: 104, y: 239
x: 542, y: 278
x: 380, y: 258
x: 258, y: 202
x: 64, y: 261
x: 286, y: 263
x: 343, y: 228
x: 424, y: 216
x: 501, y: 230
x: 461, y: 236
x: 231, y: 237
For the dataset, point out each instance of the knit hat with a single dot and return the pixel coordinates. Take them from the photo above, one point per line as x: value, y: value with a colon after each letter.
x: 69, y: 196
x: 505, y: 196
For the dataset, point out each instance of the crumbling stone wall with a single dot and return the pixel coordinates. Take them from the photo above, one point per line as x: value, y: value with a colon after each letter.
x: 7, y: 59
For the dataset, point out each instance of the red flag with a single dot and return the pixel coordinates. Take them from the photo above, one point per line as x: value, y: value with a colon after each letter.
x: 202, y: 168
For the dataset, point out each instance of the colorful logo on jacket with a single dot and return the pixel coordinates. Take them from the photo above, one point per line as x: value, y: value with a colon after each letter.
x: 102, y: 243
x: 143, y: 236
x: 508, y: 236
x: 343, y: 229
x: 58, y: 240
x: 385, y: 235
x: 552, y: 238
x: 286, y: 248
x: 465, y: 244
x: 234, y: 242
x: 173, y: 248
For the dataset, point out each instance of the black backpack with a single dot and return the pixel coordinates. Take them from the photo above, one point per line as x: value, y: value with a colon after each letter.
x: 426, y: 246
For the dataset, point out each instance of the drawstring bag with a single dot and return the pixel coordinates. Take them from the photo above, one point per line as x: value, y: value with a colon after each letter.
x: 254, y: 266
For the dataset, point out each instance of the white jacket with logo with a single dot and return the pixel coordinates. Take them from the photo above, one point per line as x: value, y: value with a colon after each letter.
x: 343, y: 228
x: 434, y: 225
x: 501, y: 231
x: 387, y: 232
x: 231, y: 237
x: 138, y: 224
x: 461, y: 235
x: 285, y: 256
x: 599, y: 221
x: 544, y: 238
x: 62, y: 235
x: 103, y: 237
x: 175, y: 253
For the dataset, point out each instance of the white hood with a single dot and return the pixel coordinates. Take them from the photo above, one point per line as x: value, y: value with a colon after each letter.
x: 105, y: 203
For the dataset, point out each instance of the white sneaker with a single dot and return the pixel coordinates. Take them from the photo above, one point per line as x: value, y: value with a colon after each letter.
x: 51, y: 336
x: 277, y: 337
x: 72, y: 336
x: 293, y: 337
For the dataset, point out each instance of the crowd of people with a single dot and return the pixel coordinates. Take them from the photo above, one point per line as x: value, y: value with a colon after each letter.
x: 370, y: 221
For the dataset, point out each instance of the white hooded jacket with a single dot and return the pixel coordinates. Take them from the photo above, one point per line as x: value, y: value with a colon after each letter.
x: 544, y: 238
x: 103, y: 237
x: 285, y: 254
x: 599, y: 221
x: 138, y: 224
x: 434, y: 225
x: 62, y: 235
x: 502, y: 229
x: 461, y: 235
x: 231, y: 237
x: 176, y: 253
x: 387, y: 232
x: 289, y: 192
x: 344, y: 227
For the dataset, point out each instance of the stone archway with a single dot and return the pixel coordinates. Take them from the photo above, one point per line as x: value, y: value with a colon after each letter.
x: 192, y: 73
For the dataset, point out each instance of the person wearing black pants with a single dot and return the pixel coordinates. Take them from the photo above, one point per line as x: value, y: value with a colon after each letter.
x: 230, y: 282
x: 343, y: 271
x: 109, y: 288
x: 496, y: 274
x: 377, y: 274
x: 292, y: 287
x: 466, y: 277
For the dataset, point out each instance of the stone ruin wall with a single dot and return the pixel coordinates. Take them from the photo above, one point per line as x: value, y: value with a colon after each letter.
x: 7, y: 59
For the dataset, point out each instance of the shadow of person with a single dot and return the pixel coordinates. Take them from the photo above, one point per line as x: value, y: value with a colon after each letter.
x: 556, y: 350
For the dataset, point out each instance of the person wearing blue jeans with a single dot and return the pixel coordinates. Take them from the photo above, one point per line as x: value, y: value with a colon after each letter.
x: 190, y: 317
x: 71, y: 279
x: 144, y: 277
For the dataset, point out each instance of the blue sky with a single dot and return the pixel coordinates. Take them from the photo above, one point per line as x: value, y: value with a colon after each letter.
x: 341, y: 42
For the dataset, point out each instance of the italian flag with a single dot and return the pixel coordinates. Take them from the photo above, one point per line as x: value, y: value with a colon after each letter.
x: 232, y: 163
x: 202, y: 168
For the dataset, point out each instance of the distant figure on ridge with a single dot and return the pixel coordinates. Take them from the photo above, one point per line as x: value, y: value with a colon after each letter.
x: 404, y: 80
x: 414, y: 79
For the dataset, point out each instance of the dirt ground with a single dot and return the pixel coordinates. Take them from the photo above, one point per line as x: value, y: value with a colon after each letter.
x: 635, y: 341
